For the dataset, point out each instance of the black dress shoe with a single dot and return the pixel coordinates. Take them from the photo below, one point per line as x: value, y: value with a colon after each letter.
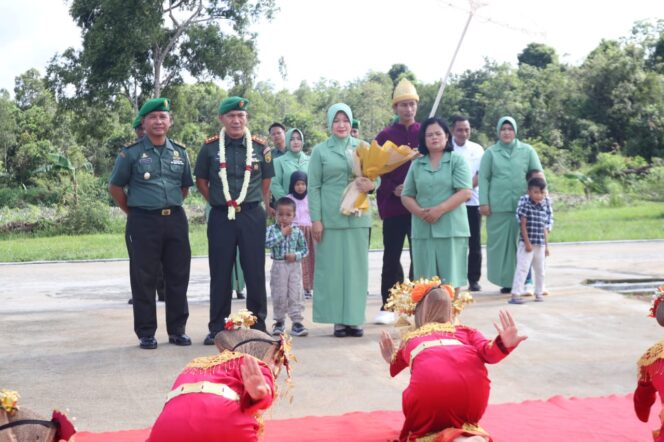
x: 505, y: 290
x: 147, y: 343
x: 179, y: 339
x: 340, y: 333
x: 474, y: 287
x: 131, y: 301
x: 355, y: 332
x: 209, y: 339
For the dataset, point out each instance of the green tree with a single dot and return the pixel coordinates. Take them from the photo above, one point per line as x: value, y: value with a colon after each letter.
x: 139, y: 47
x: 538, y: 55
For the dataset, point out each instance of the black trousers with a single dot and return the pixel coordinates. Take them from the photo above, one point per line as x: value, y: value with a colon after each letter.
x: 246, y: 232
x: 474, y: 244
x: 161, y: 287
x: 157, y: 242
x: 395, y: 231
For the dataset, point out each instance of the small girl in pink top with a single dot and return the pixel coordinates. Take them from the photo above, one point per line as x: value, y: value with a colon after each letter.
x: 297, y: 191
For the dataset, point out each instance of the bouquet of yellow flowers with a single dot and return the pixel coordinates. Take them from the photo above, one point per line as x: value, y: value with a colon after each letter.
x: 372, y: 161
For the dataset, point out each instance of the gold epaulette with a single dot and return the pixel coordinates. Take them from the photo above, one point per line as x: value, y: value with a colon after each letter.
x: 259, y: 139
x: 208, y: 362
x: 427, y: 329
x: 211, y: 139
x: 652, y: 355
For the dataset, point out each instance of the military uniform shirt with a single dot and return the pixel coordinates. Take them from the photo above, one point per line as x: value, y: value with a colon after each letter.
x: 207, y: 168
x: 154, y: 176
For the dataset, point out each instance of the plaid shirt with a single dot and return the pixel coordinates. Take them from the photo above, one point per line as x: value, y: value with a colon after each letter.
x: 539, y: 217
x: 280, y: 245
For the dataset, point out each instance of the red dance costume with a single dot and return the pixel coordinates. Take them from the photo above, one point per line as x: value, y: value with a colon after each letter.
x: 449, y: 384
x: 223, y: 411
x: 651, y: 381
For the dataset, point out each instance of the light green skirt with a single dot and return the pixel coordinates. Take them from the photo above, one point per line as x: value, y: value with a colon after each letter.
x: 502, y: 235
x: 341, y: 276
x: 443, y: 257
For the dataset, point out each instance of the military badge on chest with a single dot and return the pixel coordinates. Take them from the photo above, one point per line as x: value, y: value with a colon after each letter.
x: 177, y: 160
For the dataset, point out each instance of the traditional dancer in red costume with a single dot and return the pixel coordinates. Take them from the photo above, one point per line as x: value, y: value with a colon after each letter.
x: 220, y: 397
x: 449, y: 385
x: 651, y: 373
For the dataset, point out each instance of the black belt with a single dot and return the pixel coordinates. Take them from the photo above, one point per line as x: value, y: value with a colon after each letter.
x: 166, y: 211
x: 240, y: 208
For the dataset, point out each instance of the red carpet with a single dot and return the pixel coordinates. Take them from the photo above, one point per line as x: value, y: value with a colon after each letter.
x: 606, y: 419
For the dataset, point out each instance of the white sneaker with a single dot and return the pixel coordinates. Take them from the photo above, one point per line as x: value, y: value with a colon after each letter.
x: 384, y: 317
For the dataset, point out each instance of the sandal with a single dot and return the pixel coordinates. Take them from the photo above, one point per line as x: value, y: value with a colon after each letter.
x: 516, y: 301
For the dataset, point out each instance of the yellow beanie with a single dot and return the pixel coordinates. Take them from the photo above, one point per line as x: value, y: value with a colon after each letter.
x: 404, y: 91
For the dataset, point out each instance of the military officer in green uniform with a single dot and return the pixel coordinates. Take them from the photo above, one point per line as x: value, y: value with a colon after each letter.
x: 233, y: 172
x: 140, y: 133
x: 156, y: 173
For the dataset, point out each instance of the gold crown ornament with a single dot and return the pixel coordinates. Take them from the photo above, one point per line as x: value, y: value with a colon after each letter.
x: 242, y: 319
x: 405, y: 90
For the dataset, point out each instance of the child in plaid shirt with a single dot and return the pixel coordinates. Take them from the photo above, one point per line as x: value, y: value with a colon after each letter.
x: 288, y: 247
x: 534, y: 219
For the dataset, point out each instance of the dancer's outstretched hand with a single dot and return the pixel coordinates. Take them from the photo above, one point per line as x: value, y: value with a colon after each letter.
x: 386, y: 346
x: 253, y: 379
x: 508, y: 332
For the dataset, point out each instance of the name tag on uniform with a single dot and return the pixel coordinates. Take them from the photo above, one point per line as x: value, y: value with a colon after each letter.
x: 177, y: 162
x: 145, y: 161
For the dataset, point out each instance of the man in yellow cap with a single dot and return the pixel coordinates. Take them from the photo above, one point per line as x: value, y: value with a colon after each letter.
x: 396, y: 218
x: 233, y: 173
x: 157, y: 175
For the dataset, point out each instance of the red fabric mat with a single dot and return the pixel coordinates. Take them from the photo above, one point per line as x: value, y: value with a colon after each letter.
x: 606, y: 419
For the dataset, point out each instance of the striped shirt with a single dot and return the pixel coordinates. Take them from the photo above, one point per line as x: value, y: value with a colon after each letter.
x: 538, y: 218
x: 280, y: 245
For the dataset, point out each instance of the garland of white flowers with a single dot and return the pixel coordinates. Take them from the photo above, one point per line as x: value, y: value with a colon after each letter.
x: 233, y: 204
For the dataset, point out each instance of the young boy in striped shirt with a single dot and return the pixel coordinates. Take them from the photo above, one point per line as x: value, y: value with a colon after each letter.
x: 288, y: 246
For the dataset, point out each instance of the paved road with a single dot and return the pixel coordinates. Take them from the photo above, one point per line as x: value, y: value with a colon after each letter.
x: 67, y: 340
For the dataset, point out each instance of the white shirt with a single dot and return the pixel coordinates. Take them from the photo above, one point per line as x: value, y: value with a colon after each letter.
x: 472, y: 153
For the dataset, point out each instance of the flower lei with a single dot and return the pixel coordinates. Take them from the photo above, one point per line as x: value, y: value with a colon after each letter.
x: 656, y: 299
x: 233, y: 204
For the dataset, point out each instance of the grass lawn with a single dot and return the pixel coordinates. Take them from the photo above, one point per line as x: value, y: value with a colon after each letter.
x: 640, y: 220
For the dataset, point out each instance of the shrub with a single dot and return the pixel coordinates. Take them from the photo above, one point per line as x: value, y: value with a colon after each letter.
x: 88, y: 217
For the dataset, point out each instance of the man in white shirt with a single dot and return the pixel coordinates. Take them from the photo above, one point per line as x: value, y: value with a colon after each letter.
x: 472, y: 152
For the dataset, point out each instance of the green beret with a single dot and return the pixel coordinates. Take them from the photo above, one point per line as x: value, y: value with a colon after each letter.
x: 233, y: 103
x: 356, y: 124
x: 136, y: 122
x: 155, y: 104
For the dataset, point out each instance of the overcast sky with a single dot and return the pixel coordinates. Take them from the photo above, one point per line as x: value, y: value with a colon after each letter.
x: 344, y: 39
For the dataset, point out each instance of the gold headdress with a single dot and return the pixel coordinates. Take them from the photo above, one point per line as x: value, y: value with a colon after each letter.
x: 242, y: 319
x: 404, y: 296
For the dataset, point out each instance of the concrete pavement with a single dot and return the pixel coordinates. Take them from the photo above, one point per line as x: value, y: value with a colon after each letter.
x: 66, y: 340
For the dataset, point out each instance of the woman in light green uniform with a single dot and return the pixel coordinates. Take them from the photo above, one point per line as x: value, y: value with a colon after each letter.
x: 342, y: 253
x: 502, y: 181
x: 293, y: 160
x: 435, y: 190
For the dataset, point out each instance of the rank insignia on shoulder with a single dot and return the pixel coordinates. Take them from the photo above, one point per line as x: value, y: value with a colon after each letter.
x: 179, y: 144
x: 258, y: 139
x: 211, y: 139
x: 267, y: 154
